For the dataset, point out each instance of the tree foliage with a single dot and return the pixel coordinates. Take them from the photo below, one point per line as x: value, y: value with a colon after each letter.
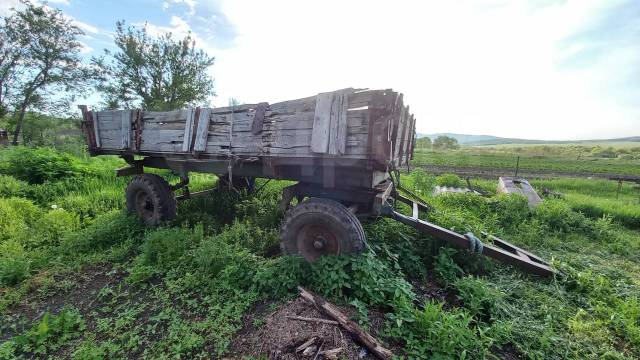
x: 155, y: 73
x: 41, y: 66
x: 443, y: 142
x: 423, y: 143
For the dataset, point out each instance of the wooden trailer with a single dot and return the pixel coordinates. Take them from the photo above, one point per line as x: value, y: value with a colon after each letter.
x: 341, y: 147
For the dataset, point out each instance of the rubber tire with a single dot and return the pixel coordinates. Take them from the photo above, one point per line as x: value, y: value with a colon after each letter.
x: 240, y: 183
x: 160, y: 194
x: 352, y: 238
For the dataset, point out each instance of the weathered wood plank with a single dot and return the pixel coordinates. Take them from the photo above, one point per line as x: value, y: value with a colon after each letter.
x: 96, y: 130
x: 321, y: 123
x: 188, y: 131
x: 258, y: 118
x: 165, y: 116
x: 402, y: 132
x: 203, y: 130
x: 341, y: 135
x: 171, y: 125
x: 126, y: 129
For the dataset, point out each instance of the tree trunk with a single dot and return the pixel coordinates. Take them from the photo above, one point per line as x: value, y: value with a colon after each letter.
x: 16, y: 133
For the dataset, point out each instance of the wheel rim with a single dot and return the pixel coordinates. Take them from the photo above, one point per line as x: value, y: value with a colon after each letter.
x: 315, y: 240
x: 144, y: 205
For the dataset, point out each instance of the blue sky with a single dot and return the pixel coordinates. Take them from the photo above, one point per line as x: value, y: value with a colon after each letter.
x: 547, y: 69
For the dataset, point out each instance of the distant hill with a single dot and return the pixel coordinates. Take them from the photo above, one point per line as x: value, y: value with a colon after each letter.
x: 478, y: 140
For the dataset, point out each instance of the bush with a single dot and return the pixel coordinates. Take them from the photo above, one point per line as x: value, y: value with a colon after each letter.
x: 278, y: 277
x: 107, y: 230
x: 39, y: 165
x: 10, y: 187
x: 52, y: 227
x: 433, y: 333
x: 17, y: 218
x: 363, y: 277
x: 251, y: 237
x: 511, y: 210
x: 449, y: 180
x: 478, y: 297
x: 557, y: 216
x: 165, y: 247
x: 214, y: 254
x: 14, y: 263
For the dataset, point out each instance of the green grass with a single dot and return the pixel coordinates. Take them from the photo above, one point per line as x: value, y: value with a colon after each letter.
x: 182, y: 290
x: 528, y: 162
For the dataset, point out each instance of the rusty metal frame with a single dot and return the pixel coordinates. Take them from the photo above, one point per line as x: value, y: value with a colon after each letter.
x: 498, y: 249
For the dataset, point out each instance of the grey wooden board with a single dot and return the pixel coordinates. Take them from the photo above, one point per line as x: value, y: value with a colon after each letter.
x: 165, y: 116
x: 96, y: 130
x: 203, y: 130
x: 173, y: 125
x: 258, y: 118
x: 188, y: 131
x: 402, y: 134
x: 126, y: 129
x: 338, y: 124
x: 321, y: 123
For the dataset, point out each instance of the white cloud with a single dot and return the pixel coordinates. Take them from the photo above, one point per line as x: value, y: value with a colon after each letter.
x: 190, y: 4
x: 462, y: 67
x: 59, y: 2
x: 87, y: 28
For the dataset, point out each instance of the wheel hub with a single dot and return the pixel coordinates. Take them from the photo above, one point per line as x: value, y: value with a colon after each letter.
x: 317, y: 240
x: 319, y: 243
x: 144, y: 205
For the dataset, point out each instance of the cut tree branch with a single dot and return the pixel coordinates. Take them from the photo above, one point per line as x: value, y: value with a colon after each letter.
x: 332, y: 311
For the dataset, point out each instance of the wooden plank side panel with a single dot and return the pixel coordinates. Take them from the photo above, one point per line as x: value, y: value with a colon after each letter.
x: 402, y: 135
x: 202, y: 132
x: 188, y: 131
x: 126, y: 129
x: 338, y: 123
x: 96, y: 129
x: 161, y: 140
x: 321, y: 123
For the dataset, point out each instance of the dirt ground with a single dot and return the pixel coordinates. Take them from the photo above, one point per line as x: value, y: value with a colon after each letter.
x: 278, y: 336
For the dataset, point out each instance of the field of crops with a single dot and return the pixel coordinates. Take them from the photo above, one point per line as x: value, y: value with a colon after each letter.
x: 79, y: 278
x: 529, y: 161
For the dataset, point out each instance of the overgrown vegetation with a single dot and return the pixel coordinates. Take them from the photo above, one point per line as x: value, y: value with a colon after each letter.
x: 181, y: 290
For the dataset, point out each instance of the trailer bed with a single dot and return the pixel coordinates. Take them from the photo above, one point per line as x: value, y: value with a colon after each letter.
x: 358, y: 129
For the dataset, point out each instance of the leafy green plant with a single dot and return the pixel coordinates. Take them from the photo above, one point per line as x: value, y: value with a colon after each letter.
x: 165, y: 247
x: 557, y: 216
x: 449, y: 180
x: 279, y: 277
x: 51, y: 332
x: 110, y: 229
x: 14, y: 263
x: 478, y: 297
x: 39, y: 165
x: 433, y: 333
x: 445, y: 268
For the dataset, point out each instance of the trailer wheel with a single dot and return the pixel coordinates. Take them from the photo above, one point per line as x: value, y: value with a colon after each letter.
x: 239, y: 182
x: 150, y: 196
x: 318, y: 227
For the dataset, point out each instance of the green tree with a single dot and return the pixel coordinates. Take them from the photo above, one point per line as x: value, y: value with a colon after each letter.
x: 443, y: 142
x: 155, y: 73
x: 423, y: 143
x: 43, y: 68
